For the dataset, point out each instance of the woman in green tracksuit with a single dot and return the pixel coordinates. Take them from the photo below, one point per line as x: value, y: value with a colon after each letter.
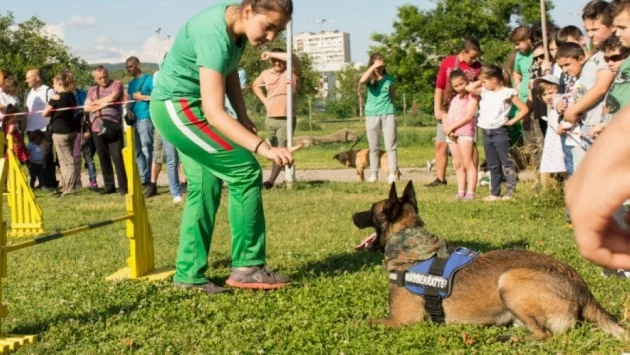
x: 188, y: 110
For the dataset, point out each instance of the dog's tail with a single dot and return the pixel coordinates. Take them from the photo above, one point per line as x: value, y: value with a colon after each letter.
x: 595, y: 313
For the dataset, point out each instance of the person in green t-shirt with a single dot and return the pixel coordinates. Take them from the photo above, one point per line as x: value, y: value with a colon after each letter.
x: 523, y: 62
x: 188, y: 110
x: 615, y: 55
x: 379, y: 114
x: 520, y: 38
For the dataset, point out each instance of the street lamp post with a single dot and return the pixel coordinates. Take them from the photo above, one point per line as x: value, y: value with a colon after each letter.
x: 322, y: 22
x: 158, y: 31
x: 290, y: 171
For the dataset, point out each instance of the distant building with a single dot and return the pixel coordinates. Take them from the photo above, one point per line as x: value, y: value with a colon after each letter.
x: 328, y: 50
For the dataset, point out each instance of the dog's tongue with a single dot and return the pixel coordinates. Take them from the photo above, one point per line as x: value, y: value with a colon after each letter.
x: 367, y: 242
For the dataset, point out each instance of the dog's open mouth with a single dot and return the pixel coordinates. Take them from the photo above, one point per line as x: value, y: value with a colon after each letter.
x: 367, y: 243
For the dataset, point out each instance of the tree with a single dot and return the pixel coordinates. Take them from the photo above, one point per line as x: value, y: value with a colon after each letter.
x: 422, y: 38
x: 24, y: 46
x: 123, y: 76
x: 346, y: 101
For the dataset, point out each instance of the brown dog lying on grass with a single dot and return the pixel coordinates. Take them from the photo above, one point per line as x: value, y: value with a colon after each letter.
x: 360, y: 159
x: 495, y: 288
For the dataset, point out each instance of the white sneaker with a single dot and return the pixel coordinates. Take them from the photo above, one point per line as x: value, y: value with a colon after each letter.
x: 372, y: 179
x: 391, y: 179
x: 177, y: 199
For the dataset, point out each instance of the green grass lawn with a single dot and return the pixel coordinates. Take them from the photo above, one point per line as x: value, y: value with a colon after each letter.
x: 57, y: 290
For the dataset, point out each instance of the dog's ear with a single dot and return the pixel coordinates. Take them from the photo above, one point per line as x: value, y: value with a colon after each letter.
x: 409, y: 196
x: 392, y: 208
x: 393, y: 195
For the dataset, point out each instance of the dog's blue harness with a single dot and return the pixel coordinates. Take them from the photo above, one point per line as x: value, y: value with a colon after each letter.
x: 433, y: 279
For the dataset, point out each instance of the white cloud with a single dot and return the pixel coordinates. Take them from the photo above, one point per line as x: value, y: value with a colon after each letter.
x: 53, y: 31
x: 80, y: 22
x: 57, y: 30
x: 107, y: 50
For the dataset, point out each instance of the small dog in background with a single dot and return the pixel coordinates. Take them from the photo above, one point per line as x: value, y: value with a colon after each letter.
x: 360, y: 159
x: 483, y: 175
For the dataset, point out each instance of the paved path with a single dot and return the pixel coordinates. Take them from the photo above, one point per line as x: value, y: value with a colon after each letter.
x: 418, y: 175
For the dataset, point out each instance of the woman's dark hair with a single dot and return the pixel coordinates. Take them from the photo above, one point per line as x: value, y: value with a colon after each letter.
x: 492, y: 71
x: 263, y: 6
x: 373, y: 59
x: 278, y: 50
x: 455, y: 74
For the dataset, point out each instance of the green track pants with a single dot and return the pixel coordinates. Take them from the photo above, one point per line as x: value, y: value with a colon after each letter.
x: 209, y: 159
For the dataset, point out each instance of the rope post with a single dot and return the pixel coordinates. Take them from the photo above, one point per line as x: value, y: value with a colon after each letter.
x: 26, y: 215
x: 289, y: 171
x: 141, y: 261
x: 10, y: 342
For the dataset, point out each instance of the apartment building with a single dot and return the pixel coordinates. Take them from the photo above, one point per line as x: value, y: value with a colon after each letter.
x: 329, y: 50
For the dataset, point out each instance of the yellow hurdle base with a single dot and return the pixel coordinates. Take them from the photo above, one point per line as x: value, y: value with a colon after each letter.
x: 154, y: 275
x: 13, y: 342
x: 24, y: 233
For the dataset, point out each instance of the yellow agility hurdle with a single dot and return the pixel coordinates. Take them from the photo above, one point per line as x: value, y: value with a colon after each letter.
x: 26, y: 215
x: 140, y: 264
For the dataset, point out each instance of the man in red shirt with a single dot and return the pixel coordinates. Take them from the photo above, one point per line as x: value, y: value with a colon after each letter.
x: 466, y: 61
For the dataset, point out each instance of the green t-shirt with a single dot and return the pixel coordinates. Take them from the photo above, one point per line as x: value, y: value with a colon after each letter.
x: 522, y: 64
x: 379, y: 99
x: 204, y: 41
x: 619, y: 93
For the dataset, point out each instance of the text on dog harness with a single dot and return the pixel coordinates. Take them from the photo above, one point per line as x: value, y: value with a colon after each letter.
x: 433, y: 279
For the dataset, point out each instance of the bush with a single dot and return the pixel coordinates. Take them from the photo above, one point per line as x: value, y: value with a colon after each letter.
x: 342, y: 109
x: 304, y: 125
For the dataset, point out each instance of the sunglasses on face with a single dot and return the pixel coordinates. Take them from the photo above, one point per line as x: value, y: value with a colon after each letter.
x: 541, y: 57
x: 615, y: 58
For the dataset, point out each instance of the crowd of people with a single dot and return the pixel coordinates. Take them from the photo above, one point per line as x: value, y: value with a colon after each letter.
x: 194, y: 107
x: 566, y: 89
x: 571, y: 92
x: 568, y: 92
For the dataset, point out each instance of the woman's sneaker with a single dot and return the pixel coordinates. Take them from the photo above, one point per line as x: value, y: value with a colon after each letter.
x: 373, y: 178
x: 257, y: 278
